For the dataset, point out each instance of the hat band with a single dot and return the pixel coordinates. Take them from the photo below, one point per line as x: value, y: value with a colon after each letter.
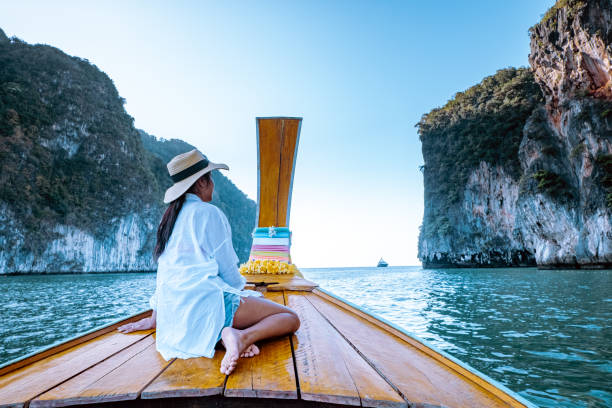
x: 189, y: 171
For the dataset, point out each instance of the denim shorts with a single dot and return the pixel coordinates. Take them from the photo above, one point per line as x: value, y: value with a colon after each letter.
x: 231, y: 301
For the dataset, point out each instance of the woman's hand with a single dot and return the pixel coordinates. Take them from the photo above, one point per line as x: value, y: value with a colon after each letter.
x: 143, y: 324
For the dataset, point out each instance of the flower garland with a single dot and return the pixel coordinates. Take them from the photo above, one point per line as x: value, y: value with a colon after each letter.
x: 255, y: 267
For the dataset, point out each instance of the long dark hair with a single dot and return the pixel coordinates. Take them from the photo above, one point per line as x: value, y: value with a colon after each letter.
x: 166, y: 224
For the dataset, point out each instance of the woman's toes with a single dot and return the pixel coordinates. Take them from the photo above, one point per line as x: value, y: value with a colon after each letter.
x: 232, y: 340
x: 228, y: 368
x: 250, y: 351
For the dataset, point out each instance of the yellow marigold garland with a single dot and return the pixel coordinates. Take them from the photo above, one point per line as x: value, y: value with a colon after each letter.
x: 269, y: 267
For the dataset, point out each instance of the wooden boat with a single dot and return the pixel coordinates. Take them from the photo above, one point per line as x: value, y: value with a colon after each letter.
x: 340, y: 355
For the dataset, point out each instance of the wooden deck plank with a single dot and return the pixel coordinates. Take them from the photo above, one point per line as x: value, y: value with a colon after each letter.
x: 192, y: 377
x: 69, y: 343
x: 270, y: 374
x: 373, y: 390
x: 23, y: 384
x: 321, y: 371
x: 420, y: 378
x: 126, y: 381
x: 67, y: 392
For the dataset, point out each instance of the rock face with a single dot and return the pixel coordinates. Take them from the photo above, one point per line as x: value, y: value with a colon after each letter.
x: 556, y: 211
x: 80, y: 188
x: 570, y: 53
x: 124, y: 248
x: 485, y: 225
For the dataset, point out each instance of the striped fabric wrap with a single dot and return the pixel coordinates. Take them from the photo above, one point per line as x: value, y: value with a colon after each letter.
x: 271, y: 243
x: 271, y: 232
x: 256, y: 247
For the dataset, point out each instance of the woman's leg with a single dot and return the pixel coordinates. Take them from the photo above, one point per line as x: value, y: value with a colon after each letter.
x: 255, y: 319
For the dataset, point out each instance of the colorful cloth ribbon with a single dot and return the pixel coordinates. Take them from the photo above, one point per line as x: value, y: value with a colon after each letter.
x: 271, y: 243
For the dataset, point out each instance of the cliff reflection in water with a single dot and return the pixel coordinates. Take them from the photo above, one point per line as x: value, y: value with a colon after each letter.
x: 543, y: 333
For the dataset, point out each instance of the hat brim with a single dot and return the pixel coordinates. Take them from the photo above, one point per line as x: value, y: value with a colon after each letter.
x: 180, y: 187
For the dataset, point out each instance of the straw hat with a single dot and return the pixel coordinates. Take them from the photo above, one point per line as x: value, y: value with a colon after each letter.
x: 185, y: 169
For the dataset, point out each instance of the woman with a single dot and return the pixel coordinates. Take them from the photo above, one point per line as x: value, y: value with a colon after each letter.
x: 199, y: 297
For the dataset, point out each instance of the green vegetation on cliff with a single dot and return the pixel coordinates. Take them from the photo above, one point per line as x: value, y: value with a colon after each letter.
x: 604, y: 162
x: 572, y: 7
x: 484, y: 123
x: 552, y: 184
x: 70, y: 155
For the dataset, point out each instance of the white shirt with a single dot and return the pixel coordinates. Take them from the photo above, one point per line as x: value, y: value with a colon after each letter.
x: 198, y: 264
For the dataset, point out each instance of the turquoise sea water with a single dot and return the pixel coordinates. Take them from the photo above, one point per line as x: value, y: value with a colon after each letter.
x: 544, y: 333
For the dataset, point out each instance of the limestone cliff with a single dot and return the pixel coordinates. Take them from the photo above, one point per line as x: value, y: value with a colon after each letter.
x: 80, y: 188
x: 550, y: 202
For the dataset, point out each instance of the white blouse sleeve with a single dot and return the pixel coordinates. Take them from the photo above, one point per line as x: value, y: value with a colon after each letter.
x: 220, y: 234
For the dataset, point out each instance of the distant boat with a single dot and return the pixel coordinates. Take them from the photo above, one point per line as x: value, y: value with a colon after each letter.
x: 382, y: 263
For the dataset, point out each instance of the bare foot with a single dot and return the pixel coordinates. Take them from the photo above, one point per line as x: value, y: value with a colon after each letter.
x: 250, y: 351
x: 234, y: 346
x: 143, y: 324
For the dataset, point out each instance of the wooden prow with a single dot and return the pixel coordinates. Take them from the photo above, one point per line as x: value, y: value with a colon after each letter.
x: 277, y: 142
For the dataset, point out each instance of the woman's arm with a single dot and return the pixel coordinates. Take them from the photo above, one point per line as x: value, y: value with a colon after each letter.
x: 219, y: 234
x: 228, y: 268
x: 143, y: 324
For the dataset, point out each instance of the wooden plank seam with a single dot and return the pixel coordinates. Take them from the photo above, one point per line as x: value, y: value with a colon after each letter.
x: 155, y: 377
x: 348, y: 370
x: 297, y: 380
x: 367, y: 360
x: 224, y: 384
x: 27, y: 403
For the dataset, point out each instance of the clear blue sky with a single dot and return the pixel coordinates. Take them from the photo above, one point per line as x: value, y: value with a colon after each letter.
x: 360, y: 73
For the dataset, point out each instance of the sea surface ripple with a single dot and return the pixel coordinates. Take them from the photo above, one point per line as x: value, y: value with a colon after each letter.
x: 545, y: 334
